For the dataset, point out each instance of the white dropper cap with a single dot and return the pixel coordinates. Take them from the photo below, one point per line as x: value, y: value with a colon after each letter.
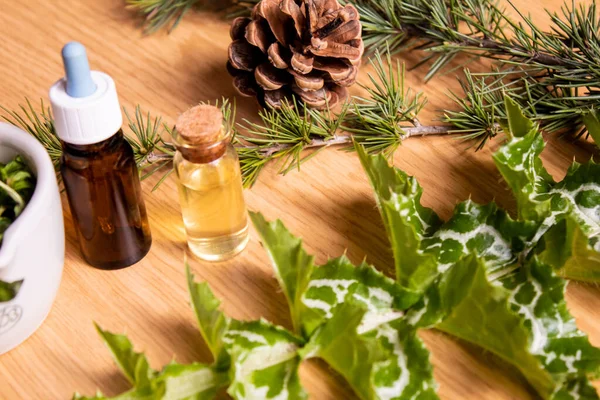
x: 84, y: 103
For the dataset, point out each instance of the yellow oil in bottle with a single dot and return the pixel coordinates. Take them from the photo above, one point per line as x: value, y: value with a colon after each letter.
x: 213, y: 207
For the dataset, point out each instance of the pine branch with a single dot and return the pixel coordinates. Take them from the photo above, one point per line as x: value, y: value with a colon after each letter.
x: 40, y: 125
x: 380, y: 121
x: 148, y: 144
x: 350, y: 139
x: 480, y: 106
x: 553, y: 75
x: 151, y: 152
x: 253, y: 158
x: 160, y: 13
x: 447, y: 28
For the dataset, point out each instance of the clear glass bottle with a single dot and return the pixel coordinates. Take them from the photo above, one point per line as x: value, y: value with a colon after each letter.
x: 210, y: 185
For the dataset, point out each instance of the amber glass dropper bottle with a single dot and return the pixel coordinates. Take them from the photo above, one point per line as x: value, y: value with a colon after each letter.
x: 210, y: 185
x: 98, y: 168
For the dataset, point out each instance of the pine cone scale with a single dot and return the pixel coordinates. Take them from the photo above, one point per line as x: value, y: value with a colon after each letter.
x: 313, y: 81
x: 289, y: 7
x: 259, y: 35
x: 278, y: 55
x: 314, y: 98
x: 337, y: 69
x: 342, y: 33
x: 301, y: 63
x: 269, y: 77
x: 274, y: 98
x: 278, y: 21
x: 310, y: 49
x: 337, y: 50
x: 238, y: 28
x: 244, y: 56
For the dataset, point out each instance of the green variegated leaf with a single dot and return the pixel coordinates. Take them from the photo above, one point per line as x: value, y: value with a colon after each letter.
x: 351, y: 354
x: 264, y: 362
x: 133, y: 365
x: 189, y: 382
x: 537, y: 295
x: 211, y: 321
x: 405, y: 219
x: 541, y: 200
x: 477, y: 311
x: 518, y: 124
x: 567, y: 249
x: 545, y: 344
x: 503, y: 247
x: 519, y: 163
x: 331, y: 283
x: 262, y: 358
x: 576, y: 389
x: 483, y: 230
x: 175, y: 382
x: 381, y: 359
x: 291, y: 263
x: 580, y: 189
x: 466, y: 303
x: 404, y: 371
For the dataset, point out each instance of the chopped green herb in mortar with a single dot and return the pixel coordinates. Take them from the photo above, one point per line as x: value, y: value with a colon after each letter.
x: 17, y: 183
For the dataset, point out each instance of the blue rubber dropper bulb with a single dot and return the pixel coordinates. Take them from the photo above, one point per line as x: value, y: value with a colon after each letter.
x: 77, y: 70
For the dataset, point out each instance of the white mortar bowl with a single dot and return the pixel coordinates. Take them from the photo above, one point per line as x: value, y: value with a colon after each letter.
x: 33, y: 248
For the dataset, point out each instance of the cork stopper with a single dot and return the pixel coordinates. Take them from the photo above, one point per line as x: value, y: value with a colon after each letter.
x: 200, y: 124
x: 201, y: 129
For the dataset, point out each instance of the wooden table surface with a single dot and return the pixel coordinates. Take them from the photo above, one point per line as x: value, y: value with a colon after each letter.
x: 329, y: 203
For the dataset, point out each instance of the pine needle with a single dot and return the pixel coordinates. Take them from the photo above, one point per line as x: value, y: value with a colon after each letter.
x: 39, y: 124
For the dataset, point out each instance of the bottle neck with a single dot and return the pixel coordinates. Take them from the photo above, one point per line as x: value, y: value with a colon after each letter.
x: 204, y: 152
x: 103, y: 146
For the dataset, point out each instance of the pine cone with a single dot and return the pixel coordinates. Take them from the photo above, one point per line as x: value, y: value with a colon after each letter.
x: 310, y: 49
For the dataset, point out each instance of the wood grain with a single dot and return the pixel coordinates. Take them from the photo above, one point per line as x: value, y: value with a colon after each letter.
x: 328, y: 203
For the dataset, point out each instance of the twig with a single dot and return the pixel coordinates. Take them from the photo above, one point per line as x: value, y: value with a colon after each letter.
x: 420, y: 130
x: 153, y: 157
x: 424, y: 130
